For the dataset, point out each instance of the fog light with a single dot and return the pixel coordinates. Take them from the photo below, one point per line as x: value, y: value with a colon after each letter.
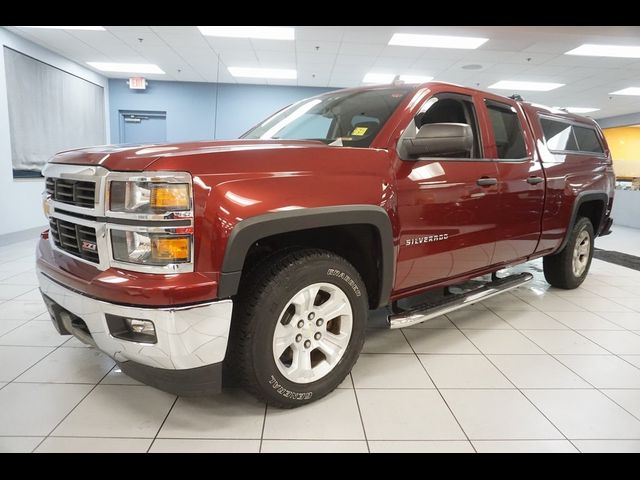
x: 131, y: 329
x: 145, y: 327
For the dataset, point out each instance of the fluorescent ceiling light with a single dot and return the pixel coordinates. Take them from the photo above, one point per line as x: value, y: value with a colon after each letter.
x: 378, y: 78
x: 75, y: 27
x: 127, y: 67
x: 531, y: 86
x: 415, y: 78
x: 627, y: 91
x: 594, y: 50
x: 267, y: 33
x: 578, y: 109
x: 436, y: 41
x: 282, y: 73
x: 389, y: 77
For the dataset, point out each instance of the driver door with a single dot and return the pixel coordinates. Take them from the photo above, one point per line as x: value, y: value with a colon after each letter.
x: 447, y: 204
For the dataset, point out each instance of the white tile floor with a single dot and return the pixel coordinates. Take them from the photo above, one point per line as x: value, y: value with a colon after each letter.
x: 537, y: 369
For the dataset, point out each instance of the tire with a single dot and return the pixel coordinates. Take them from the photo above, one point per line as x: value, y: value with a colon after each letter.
x: 277, y: 299
x: 559, y: 268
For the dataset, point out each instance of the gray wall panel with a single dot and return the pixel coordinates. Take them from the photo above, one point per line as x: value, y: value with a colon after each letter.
x: 49, y: 110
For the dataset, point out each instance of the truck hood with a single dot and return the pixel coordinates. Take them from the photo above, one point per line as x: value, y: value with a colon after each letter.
x: 141, y: 157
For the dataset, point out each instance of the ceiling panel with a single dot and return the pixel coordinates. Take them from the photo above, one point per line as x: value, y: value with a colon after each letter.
x: 340, y: 56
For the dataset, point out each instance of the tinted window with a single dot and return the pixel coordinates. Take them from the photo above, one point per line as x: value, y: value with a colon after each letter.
x: 558, y: 135
x: 587, y: 139
x: 507, y: 131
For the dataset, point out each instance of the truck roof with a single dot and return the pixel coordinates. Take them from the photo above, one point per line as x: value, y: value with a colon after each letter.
x: 539, y: 108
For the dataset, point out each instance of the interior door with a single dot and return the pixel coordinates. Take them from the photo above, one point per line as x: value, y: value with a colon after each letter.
x: 143, y: 127
x: 521, y: 182
x: 446, y: 206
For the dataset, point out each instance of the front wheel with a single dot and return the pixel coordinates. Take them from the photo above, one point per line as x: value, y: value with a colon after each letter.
x: 568, y: 268
x: 298, y: 327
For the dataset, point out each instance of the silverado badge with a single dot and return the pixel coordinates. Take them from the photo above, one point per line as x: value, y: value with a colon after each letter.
x: 426, y: 239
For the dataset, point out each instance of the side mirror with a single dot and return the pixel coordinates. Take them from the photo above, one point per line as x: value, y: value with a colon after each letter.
x: 440, y: 139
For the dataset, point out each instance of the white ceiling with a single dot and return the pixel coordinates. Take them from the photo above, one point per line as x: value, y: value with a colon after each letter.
x: 340, y: 56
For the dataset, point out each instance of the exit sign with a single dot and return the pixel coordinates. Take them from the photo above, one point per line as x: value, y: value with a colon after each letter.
x: 137, y: 83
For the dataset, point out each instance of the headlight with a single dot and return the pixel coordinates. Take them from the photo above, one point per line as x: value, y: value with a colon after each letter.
x: 150, y: 248
x: 149, y: 197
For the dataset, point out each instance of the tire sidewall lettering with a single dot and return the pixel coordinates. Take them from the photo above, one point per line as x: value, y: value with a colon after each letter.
x: 333, y: 272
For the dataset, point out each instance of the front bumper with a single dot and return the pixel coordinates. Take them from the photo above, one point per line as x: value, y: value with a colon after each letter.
x: 188, y: 337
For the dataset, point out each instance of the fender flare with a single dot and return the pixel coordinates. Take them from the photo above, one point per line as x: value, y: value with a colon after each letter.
x: 252, y: 229
x: 582, y: 197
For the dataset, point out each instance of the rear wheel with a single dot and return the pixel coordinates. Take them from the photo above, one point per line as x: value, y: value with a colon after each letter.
x: 298, y: 327
x: 568, y: 268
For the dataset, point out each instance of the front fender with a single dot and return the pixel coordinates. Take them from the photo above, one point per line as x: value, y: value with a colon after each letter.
x: 249, y: 231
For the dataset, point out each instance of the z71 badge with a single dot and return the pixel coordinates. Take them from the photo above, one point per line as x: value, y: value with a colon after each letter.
x: 426, y: 239
x: 89, y: 246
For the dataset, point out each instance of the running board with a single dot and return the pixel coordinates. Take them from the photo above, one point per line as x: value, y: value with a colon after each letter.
x: 450, y: 303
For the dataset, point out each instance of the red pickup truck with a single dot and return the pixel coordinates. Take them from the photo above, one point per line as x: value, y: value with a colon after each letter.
x: 265, y: 254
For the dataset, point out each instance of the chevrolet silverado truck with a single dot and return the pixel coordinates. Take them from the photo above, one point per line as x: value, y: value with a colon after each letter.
x: 264, y: 255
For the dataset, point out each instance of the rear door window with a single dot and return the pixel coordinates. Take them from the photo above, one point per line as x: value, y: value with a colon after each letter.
x: 587, y: 139
x: 559, y: 135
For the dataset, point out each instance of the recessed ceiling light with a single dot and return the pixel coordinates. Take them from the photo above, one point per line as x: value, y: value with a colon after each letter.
x: 282, y: 73
x: 265, y: 33
x: 127, y: 67
x: 436, y: 41
x: 594, y: 50
x: 75, y: 27
x: 531, y: 86
x: 627, y: 91
x: 578, y: 109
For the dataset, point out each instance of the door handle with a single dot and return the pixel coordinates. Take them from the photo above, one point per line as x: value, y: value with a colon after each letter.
x: 486, y: 181
x: 535, y: 180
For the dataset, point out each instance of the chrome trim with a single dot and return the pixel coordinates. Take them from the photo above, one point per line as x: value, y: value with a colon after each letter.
x: 85, y: 173
x: 422, y: 313
x: 103, y: 178
x: 101, y: 240
x: 163, y: 177
x: 188, y: 337
x: 185, y: 267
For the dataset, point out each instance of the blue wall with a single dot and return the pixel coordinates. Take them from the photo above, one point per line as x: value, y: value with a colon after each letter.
x: 191, y: 106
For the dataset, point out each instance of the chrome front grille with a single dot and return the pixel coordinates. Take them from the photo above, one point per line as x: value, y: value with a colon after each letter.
x: 76, y: 202
x: 72, y: 192
x: 78, y: 240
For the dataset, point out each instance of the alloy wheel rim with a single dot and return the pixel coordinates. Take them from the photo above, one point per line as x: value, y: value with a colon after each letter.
x: 581, y: 253
x: 312, y: 333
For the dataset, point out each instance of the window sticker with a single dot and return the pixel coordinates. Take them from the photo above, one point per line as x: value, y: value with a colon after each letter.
x: 359, y: 131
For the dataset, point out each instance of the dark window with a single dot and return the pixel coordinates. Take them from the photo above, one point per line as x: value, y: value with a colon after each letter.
x: 587, y: 139
x: 558, y: 135
x: 567, y: 137
x: 507, y: 131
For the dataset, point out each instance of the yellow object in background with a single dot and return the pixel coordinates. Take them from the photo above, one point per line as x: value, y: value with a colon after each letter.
x: 359, y: 131
x: 624, y: 143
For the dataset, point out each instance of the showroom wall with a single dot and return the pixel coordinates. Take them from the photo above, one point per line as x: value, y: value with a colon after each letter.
x: 624, y: 143
x: 193, y: 112
x: 20, y: 200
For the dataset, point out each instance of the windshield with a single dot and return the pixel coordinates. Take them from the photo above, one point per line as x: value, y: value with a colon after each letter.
x: 347, y: 118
